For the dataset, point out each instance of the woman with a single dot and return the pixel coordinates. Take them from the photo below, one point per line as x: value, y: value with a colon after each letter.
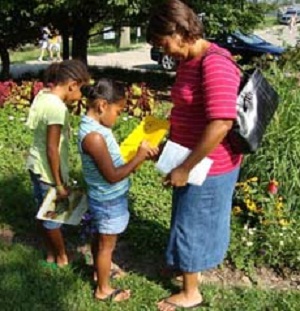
x: 204, y: 97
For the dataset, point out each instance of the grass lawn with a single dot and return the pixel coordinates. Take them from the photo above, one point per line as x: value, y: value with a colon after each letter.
x: 26, y: 286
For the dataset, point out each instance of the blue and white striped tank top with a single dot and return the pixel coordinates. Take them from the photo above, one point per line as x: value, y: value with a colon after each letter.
x: 98, y: 188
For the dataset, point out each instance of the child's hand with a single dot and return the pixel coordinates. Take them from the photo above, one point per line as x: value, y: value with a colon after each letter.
x: 61, y: 193
x: 145, y: 151
x: 160, y: 148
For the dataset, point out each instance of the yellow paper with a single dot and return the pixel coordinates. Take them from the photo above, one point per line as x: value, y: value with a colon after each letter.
x: 151, y: 129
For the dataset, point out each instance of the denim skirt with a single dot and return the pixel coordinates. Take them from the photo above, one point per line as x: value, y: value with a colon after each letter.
x: 40, y: 190
x: 200, y: 223
x: 109, y: 217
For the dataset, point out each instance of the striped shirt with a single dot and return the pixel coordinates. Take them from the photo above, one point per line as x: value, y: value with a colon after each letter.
x: 98, y: 188
x: 205, y: 91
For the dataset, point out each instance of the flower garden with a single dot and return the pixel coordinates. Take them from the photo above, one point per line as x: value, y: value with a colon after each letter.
x: 265, y: 213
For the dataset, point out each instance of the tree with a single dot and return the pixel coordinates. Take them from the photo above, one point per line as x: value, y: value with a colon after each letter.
x: 17, y: 27
x: 77, y: 17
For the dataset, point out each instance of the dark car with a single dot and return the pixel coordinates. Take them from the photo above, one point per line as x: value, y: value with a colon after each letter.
x: 166, y: 61
x: 247, y: 46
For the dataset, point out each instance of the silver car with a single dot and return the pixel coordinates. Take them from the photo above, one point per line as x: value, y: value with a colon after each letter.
x: 285, y: 18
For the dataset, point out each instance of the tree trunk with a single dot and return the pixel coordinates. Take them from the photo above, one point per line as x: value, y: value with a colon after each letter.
x: 4, y: 55
x: 66, y: 46
x: 80, y: 40
x: 124, y: 37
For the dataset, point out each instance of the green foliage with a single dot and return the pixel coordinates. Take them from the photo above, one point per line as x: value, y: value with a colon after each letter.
x: 229, y: 16
x: 140, y: 101
x: 271, y: 218
x: 20, y: 96
x: 22, y: 279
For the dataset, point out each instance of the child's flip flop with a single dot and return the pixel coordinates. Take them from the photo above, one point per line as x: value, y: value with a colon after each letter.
x: 46, y: 264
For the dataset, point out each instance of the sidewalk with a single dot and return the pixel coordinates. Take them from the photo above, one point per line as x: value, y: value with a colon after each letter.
x: 138, y: 59
x: 279, y: 35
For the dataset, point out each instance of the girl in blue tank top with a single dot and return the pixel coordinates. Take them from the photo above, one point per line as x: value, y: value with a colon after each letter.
x: 106, y: 176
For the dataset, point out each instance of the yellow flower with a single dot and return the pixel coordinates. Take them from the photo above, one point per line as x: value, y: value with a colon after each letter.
x: 283, y: 222
x: 252, y: 206
x: 279, y: 205
x: 236, y: 210
x: 253, y: 179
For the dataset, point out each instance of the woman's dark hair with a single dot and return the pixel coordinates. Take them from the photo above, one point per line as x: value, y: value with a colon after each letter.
x: 173, y: 16
x: 106, y: 89
x: 58, y: 73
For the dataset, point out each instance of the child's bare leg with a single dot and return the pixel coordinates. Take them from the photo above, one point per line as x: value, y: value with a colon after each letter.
x: 50, y: 257
x: 106, y: 246
x: 55, y: 238
x: 94, y: 249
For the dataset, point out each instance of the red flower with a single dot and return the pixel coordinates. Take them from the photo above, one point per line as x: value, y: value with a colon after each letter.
x: 273, y: 186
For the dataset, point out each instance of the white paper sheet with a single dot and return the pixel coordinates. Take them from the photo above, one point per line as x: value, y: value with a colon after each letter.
x: 174, y: 154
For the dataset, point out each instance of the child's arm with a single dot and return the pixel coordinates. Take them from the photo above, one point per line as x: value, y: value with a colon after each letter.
x: 96, y: 147
x: 53, y: 138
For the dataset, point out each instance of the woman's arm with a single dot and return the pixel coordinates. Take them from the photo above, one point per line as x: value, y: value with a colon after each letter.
x: 53, y: 139
x: 95, y: 146
x: 212, y: 136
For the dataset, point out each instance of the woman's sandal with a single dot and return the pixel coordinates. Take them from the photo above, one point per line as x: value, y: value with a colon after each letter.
x: 111, y: 297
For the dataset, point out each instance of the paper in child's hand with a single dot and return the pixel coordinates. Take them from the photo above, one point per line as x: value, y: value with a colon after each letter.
x: 67, y: 211
x: 151, y: 129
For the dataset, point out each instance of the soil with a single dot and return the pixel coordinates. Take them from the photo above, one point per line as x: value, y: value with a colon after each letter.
x: 150, y: 267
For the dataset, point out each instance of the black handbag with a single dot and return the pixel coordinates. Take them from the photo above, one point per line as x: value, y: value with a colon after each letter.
x: 256, y: 104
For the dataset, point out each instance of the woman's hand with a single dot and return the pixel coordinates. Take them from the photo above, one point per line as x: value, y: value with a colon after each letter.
x: 178, y: 177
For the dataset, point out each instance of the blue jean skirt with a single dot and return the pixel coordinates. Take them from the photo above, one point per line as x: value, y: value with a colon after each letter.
x: 200, y: 223
x: 40, y: 190
x: 109, y: 217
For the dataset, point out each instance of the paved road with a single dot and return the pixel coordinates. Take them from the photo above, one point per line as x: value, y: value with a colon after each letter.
x: 139, y: 59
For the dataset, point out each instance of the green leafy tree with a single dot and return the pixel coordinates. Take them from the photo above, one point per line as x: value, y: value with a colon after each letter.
x: 76, y: 18
x: 17, y: 27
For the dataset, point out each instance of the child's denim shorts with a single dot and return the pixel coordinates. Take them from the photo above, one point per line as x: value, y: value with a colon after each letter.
x: 109, y: 217
x: 200, y: 224
x: 40, y: 190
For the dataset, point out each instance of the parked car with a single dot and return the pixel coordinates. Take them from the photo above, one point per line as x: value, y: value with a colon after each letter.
x: 247, y: 46
x: 166, y: 61
x: 285, y: 18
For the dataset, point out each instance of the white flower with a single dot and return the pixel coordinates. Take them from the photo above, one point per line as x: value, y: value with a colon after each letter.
x: 125, y: 118
x: 75, y: 182
x: 244, y: 239
x: 280, y: 234
x: 249, y: 243
x: 281, y: 243
x: 251, y: 232
x: 10, y: 118
x: 23, y: 119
